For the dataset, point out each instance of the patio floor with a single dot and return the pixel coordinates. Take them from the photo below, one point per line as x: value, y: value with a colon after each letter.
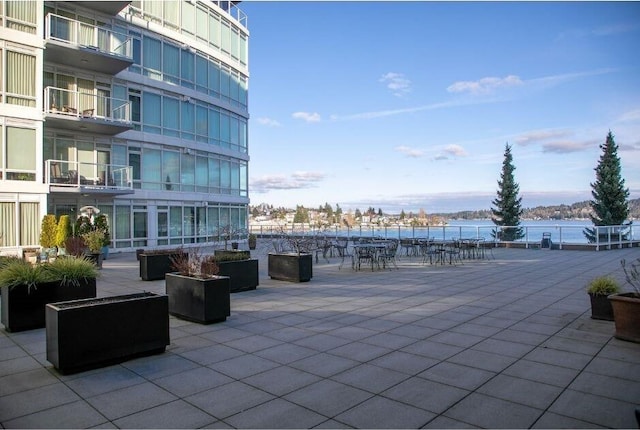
x: 502, y: 343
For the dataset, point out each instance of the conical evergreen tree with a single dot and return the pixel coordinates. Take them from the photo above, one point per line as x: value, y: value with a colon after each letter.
x: 508, y: 209
x: 610, y: 198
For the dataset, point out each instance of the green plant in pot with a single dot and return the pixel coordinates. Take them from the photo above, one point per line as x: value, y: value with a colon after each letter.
x: 48, y: 235
x: 599, y: 289
x: 626, y: 306
x: 252, y: 240
x: 63, y: 232
x: 100, y: 222
x: 94, y: 240
x: 27, y: 288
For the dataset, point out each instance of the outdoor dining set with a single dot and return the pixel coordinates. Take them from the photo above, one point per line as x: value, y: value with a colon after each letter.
x: 383, y: 253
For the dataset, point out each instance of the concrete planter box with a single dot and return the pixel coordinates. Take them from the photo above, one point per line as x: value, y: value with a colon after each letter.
x: 291, y: 267
x: 90, y: 333
x: 200, y: 300
x: 25, y: 310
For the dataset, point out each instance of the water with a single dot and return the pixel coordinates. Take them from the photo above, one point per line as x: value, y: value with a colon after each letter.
x: 565, y: 231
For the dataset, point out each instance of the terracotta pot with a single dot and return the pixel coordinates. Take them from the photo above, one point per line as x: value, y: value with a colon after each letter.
x: 626, y: 312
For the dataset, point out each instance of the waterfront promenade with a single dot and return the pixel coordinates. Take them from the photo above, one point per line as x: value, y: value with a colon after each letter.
x: 502, y: 343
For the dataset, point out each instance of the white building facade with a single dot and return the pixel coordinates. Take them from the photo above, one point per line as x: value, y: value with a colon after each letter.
x: 139, y: 108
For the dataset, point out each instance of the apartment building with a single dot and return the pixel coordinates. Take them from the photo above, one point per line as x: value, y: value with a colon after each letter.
x: 138, y: 108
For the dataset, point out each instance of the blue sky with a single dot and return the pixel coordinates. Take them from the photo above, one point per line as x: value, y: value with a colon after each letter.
x: 408, y: 105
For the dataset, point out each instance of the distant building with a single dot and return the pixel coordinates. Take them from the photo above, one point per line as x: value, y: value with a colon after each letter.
x: 139, y: 108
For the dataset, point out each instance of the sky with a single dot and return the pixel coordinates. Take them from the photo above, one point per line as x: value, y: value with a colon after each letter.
x: 409, y: 105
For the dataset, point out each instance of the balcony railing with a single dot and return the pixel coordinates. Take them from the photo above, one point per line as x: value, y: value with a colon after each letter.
x: 83, y: 177
x: 86, y: 35
x: 85, y: 105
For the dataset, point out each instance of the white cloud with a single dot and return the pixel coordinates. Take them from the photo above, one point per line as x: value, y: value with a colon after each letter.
x: 297, y: 180
x: 397, y: 83
x: 485, y: 85
x: 534, y: 136
x: 409, y: 152
x: 307, y: 116
x: 455, y: 150
x: 565, y: 147
x: 268, y: 122
x: 630, y: 116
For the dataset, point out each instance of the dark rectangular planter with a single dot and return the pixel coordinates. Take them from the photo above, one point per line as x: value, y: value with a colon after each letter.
x: 200, y: 300
x: 90, y: 333
x: 243, y: 274
x: 154, y: 266
x: 225, y: 252
x: 601, y: 308
x: 25, y: 310
x: 291, y: 267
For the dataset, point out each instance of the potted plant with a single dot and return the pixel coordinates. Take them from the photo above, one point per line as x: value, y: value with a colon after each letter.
x: 293, y: 261
x: 599, y: 289
x: 94, y: 240
x: 63, y: 232
x: 100, y: 222
x: 89, y: 333
x: 626, y: 306
x: 238, y: 266
x: 195, y: 294
x: 26, y: 288
x: 252, y: 240
x: 155, y: 264
x: 48, y: 236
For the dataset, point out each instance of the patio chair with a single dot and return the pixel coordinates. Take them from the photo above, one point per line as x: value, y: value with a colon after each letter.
x: 388, y: 254
x: 322, y: 246
x: 363, y: 254
x: 454, y: 252
x: 545, y: 243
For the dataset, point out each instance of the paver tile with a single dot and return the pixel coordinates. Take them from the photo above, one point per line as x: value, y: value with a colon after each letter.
x: 173, y: 415
x: 380, y: 412
x: 595, y: 409
x: 523, y: 391
x: 424, y: 394
x: 370, y: 378
x: 192, y: 381
x: 489, y: 412
x: 129, y: 400
x: 227, y: 400
x: 74, y: 415
x: 277, y: 413
x: 328, y: 397
x: 35, y: 400
x: 457, y: 375
x: 281, y: 380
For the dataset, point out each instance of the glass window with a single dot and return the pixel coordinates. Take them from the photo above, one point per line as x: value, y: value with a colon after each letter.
x: 214, y: 79
x: 151, y: 169
x: 171, y: 12
x: 234, y: 132
x: 214, y: 175
x: 29, y: 224
x: 243, y: 179
x: 171, y: 116
x: 202, y: 74
x: 186, y: 67
x: 134, y: 162
x: 21, y: 153
x: 171, y: 63
x: 152, y: 112
x: 243, y: 49
x: 8, y: 224
x: 134, y: 102
x: 214, y: 31
x: 224, y: 130
x: 225, y: 82
x: 213, y: 220
x: 202, y: 174
x: 214, y: 127
x: 123, y: 225
x: 225, y: 37
x: 21, y: 79
x: 187, y: 171
x: 235, y: 178
x: 163, y: 224
x: 225, y: 176
x: 171, y: 169
x: 202, y: 18
x: 188, y: 17
x: 202, y: 127
x: 152, y: 57
x: 175, y: 222
x: 22, y: 15
x: 188, y: 120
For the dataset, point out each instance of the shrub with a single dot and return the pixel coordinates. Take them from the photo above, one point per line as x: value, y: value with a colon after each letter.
x: 94, y: 240
x: 194, y: 264
x: 71, y: 270
x: 603, y: 286
x: 75, y: 246
x: 48, y: 231
x: 20, y: 272
x: 63, y: 231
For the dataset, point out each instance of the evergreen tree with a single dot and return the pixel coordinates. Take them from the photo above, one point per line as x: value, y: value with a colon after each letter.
x: 610, y: 198
x: 302, y: 215
x: 402, y: 215
x: 508, y: 209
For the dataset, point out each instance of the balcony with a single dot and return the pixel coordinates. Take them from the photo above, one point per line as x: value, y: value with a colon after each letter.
x: 110, y: 7
x: 85, y: 46
x: 72, y: 177
x: 73, y: 110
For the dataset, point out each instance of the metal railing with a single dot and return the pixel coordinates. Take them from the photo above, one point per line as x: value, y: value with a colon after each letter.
x: 85, y: 105
x: 563, y: 236
x: 82, y: 34
x: 88, y: 175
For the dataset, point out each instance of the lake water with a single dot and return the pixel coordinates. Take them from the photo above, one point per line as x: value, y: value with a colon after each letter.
x: 565, y: 231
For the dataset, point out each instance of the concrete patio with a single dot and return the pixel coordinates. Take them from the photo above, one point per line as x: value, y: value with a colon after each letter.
x: 502, y: 343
